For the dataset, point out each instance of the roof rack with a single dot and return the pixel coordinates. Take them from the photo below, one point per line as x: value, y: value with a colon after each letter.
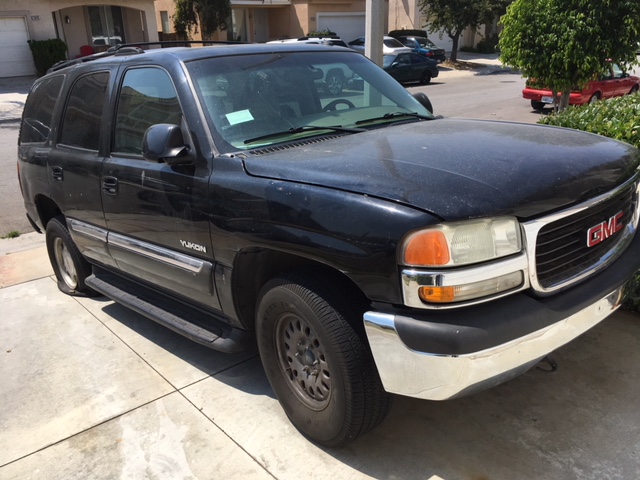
x: 135, y: 49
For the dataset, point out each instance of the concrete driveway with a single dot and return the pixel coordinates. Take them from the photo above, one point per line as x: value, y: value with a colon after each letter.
x: 91, y: 390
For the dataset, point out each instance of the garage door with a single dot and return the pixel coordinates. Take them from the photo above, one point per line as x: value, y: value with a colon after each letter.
x: 348, y: 26
x: 15, y: 55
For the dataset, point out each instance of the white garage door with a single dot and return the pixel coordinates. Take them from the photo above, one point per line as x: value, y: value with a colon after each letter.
x: 348, y: 26
x: 15, y: 55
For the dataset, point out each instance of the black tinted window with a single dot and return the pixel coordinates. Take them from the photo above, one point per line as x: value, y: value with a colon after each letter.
x: 36, y: 119
x: 83, y: 115
x: 147, y: 97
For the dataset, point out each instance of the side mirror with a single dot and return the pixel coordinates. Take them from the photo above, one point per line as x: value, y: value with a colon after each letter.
x: 394, y: 65
x: 164, y: 142
x: 424, y: 100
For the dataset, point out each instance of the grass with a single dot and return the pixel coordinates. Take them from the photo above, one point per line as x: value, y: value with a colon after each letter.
x: 12, y: 234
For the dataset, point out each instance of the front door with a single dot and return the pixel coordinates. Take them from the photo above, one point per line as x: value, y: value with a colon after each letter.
x: 158, y: 227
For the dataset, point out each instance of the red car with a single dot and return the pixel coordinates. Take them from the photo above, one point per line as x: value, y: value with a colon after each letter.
x: 614, y: 82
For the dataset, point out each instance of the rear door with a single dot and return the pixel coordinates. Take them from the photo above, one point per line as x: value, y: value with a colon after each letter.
x: 155, y: 213
x: 75, y: 162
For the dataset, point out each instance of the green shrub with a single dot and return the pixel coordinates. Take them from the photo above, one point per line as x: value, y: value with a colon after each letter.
x: 617, y: 118
x: 322, y: 33
x: 47, y: 53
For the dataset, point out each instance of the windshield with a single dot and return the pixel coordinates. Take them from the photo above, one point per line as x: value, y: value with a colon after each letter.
x: 259, y: 100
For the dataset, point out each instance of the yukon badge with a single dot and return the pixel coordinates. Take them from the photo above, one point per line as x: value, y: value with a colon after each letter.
x: 193, y: 246
x: 599, y: 233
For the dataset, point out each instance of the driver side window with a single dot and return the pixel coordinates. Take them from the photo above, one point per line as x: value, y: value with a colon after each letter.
x: 147, y: 97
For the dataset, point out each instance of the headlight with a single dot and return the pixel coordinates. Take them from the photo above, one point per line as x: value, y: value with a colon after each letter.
x: 462, y: 243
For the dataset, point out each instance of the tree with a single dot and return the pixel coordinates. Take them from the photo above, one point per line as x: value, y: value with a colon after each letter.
x: 453, y: 16
x: 210, y: 15
x: 562, y: 44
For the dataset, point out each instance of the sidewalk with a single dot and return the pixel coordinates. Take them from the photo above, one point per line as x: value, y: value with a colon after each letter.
x: 13, y: 94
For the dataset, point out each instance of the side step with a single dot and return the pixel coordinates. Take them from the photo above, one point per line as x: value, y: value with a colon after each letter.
x: 191, y: 322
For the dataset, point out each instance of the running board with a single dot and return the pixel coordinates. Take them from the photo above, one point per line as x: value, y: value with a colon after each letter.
x: 200, y: 327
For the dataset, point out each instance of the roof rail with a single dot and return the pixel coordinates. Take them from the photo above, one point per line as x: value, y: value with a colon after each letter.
x: 136, y: 48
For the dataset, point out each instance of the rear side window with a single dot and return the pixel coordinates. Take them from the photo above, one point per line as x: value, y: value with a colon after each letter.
x: 147, y: 97
x: 38, y: 110
x: 83, y: 115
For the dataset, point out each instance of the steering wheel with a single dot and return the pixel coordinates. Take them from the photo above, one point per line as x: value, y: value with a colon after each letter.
x: 331, y: 106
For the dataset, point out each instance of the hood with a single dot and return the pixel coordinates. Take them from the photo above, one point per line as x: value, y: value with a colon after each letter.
x: 459, y: 169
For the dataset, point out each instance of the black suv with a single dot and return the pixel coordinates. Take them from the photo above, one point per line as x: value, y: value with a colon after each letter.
x: 365, y: 245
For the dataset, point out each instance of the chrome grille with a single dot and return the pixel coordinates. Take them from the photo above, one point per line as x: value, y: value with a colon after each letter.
x: 562, y: 253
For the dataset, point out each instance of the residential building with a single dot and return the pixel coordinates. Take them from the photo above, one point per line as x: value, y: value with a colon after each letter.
x: 85, y: 25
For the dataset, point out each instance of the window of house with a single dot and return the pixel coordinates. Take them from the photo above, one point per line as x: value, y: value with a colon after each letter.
x: 83, y: 114
x: 107, y: 27
x: 147, y: 97
x: 164, y: 19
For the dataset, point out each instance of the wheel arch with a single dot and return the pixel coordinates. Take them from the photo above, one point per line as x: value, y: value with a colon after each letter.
x: 47, y: 209
x: 254, y: 267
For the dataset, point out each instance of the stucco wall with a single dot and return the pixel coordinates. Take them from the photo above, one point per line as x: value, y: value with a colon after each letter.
x: 40, y: 18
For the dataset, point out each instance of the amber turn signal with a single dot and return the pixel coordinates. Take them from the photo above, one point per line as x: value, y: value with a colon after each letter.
x: 428, y: 247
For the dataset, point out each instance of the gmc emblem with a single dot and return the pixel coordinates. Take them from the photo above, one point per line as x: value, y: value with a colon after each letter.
x: 599, y: 233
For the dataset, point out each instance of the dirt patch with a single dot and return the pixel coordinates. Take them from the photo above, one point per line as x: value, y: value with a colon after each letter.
x: 461, y: 65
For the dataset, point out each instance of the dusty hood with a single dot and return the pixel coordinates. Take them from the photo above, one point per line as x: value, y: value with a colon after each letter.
x: 460, y: 168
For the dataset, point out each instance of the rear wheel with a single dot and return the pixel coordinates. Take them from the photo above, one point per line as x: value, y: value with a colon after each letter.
x: 536, y: 105
x: 68, y: 264
x: 317, y: 360
x: 634, y: 90
x: 594, y: 98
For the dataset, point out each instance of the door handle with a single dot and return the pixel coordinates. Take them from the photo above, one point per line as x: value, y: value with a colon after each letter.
x: 110, y: 185
x: 57, y: 174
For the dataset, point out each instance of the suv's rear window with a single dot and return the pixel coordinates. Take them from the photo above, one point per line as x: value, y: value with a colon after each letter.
x: 36, y: 119
x: 83, y: 116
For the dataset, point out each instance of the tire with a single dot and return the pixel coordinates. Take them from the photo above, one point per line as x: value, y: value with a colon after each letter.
x: 317, y: 360
x: 537, y: 105
x: 634, y: 90
x: 69, y: 266
x: 594, y: 98
x: 334, y: 82
x: 425, y: 78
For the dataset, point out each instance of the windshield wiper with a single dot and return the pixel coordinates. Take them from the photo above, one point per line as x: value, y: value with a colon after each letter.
x: 390, y: 116
x: 302, y: 129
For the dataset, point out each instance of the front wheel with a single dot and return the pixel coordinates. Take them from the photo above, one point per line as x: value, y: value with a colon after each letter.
x: 68, y: 264
x: 317, y: 360
x: 425, y: 78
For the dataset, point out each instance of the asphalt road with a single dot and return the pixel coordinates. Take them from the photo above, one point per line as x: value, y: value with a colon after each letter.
x: 481, y: 96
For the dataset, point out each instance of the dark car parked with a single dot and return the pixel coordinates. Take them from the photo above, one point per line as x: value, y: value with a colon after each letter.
x: 424, y: 46
x: 365, y: 246
x: 410, y: 67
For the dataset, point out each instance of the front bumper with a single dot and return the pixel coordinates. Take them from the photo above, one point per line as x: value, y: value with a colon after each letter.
x: 444, y: 355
